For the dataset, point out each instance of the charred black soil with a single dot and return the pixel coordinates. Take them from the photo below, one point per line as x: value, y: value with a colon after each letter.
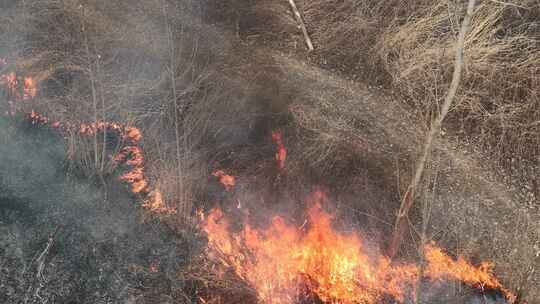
x: 351, y: 119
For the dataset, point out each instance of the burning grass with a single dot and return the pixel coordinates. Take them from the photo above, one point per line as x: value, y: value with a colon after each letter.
x: 194, y: 123
x: 131, y: 155
x: 286, y: 263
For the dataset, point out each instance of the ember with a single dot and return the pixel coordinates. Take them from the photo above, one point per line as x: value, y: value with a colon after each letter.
x: 228, y: 181
x: 281, y: 153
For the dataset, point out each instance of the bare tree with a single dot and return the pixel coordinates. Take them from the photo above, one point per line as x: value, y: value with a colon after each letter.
x: 401, y: 224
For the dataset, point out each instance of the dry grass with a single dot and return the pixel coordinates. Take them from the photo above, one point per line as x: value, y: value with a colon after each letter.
x: 336, y: 133
x: 408, y: 48
x: 498, y: 101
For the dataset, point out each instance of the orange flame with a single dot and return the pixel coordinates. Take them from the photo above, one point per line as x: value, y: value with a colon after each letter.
x: 10, y: 82
x: 282, y: 261
x: 29, y: 88
x: 442, y: 266
x: 131, y: 155
x: 133, y: 134
x: 228, y: 181
x: 281, y: 153
x: 156, y: 204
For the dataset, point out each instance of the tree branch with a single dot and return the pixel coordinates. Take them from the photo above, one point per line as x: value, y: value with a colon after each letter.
x: 302, y: 25
x: 408, y: 199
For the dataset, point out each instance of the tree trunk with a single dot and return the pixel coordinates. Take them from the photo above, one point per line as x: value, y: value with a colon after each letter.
x: 401, y: 224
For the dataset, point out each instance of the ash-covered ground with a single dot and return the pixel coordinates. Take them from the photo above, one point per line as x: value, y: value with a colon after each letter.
x: 362, y: 140
x: 102, y: 252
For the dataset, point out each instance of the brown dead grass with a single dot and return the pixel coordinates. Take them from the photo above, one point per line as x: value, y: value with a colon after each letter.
x: 407, y: 47
x: 498, y: 101
x: 341, y: 132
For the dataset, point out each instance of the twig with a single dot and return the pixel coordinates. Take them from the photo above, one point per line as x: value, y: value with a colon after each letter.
x: 509, y: 4
x: 408, y: 199
x: 45, y: 252
x: 301, y: 24
x: 41, y: 263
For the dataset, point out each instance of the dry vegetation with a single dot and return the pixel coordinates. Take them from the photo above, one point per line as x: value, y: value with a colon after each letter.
x: 407, y: 47
x: 206, y: 81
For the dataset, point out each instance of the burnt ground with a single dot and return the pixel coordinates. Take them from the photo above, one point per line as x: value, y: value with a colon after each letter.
x: 356, y: 139
x: 102, y: 251
x: 370, y: 139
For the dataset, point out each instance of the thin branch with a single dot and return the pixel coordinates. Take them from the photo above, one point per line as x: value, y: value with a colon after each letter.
x: 408, y: 199
x: 509, y: 4
x: 302, y: 25
x: 41, y: 265
x: 45, y: 252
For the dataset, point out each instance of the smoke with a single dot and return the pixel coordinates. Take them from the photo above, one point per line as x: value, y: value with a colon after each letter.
x: 103, y: 252
x: 101, y: 248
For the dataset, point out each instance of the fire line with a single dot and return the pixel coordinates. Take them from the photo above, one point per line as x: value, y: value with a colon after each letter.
x: 280, y: 261
x: 131, y: 154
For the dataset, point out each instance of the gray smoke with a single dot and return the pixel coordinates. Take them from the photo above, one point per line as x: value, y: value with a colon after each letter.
x: 102, y: 251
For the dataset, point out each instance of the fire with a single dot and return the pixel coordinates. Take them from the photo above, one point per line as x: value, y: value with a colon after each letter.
x: 130, y: 155
x: 441, y: 266
x: 10, y: 82
x: 155, y: 203
x: 154, y: 267
x: 283, y: 262
x: 281, y: 153
x: 29, y: 88
x: 133, y: 134
x: 228, y: 181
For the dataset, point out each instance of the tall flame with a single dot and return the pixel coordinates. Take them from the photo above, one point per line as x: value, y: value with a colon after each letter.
x: 282, y: 261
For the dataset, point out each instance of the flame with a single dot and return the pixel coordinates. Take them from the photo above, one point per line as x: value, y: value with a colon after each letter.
x: 29, y: 88
x: 441, y: 266
x: 281, y: 153
x: 155, y: 203
x: 131, y: 155
x: 133, y: 134
x: 228, y: 181
x: 282, y: 261
x: 153, y: 267
x: 10, y: 82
